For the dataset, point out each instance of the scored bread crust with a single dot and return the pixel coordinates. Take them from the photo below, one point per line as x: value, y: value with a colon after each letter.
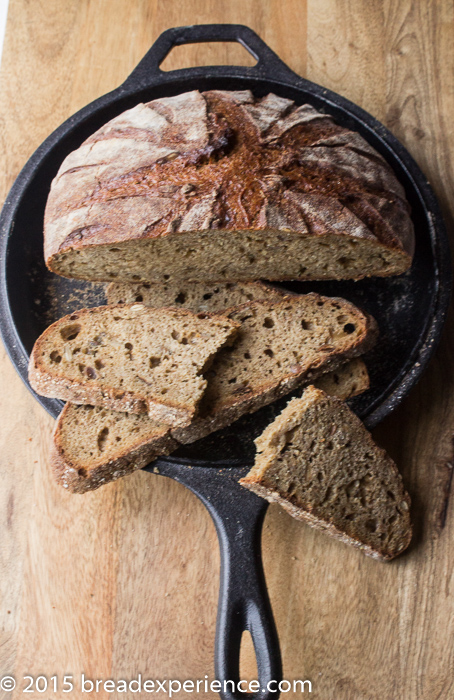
x: 229, y: 409
x: 217, y: 162
x: 86, y: 391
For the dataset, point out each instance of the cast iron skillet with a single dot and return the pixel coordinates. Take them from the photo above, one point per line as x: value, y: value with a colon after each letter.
x: 410, y: 310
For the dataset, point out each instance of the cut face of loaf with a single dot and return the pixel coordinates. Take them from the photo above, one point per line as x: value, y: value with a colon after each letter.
x: 194, y: 296
x: 225, y: 186
x: 93, y: 446
x: 279, y: 346
x: 130, y: 358
x: 318, y: 461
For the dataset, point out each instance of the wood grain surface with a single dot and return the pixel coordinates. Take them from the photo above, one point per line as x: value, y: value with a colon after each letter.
x: 124, y: 580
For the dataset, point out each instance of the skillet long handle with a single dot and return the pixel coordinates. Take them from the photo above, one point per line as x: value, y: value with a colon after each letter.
x: 243, y: 605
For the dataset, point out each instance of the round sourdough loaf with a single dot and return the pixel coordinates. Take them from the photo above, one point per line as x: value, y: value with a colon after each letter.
x: 225, y: 186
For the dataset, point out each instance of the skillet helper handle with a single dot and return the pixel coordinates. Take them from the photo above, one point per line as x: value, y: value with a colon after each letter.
x: 146, y: 72
x: 243, y: 605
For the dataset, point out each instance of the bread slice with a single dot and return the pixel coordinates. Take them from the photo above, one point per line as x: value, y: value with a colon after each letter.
x: 130, y: 358
x: 195, y: 296
x: 93, y: 446
x: 225, y: 185
x: 318, y: 461
x: 350, y: 380
x: 266, y: 374
x: 279, y: 346
x: 347, y: 381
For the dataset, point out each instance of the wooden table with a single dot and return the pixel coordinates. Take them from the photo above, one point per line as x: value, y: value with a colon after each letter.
x: 125, y: 580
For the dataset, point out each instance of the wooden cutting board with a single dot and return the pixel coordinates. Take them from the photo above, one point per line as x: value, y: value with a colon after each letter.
x: 124, y: 580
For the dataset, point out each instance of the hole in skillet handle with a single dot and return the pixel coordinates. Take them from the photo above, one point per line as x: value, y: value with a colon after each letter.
x: 148, y: 71
x: 221, y: 53
x: 248, y: 662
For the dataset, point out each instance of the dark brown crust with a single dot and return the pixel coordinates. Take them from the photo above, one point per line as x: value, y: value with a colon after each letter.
x: 78, y: 480
x: 83, y: 392
x: 225, y: 161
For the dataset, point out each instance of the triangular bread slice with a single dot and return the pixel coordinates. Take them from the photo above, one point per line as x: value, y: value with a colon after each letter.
x: 93, y: 446
x: 130, y: 358
x: 318, y: 461
x: 279, y: 346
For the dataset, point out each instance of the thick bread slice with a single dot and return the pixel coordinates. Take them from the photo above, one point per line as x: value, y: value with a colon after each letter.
x: 195, y: 296
x: 93, y: 446
x: 226, y: 186
x: 318, y: 461
x: 351, y: 379
x: 130, y: 358
x: 279, y: 347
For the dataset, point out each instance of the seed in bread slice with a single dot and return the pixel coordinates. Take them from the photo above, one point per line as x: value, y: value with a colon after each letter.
x: 195, y: 296
x: 131, y: 358
x: 93, y: 446
x: 279, y: 346
x: 318, y: 461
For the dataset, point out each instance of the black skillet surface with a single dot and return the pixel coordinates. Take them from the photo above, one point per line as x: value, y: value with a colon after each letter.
x: 410, y: 311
